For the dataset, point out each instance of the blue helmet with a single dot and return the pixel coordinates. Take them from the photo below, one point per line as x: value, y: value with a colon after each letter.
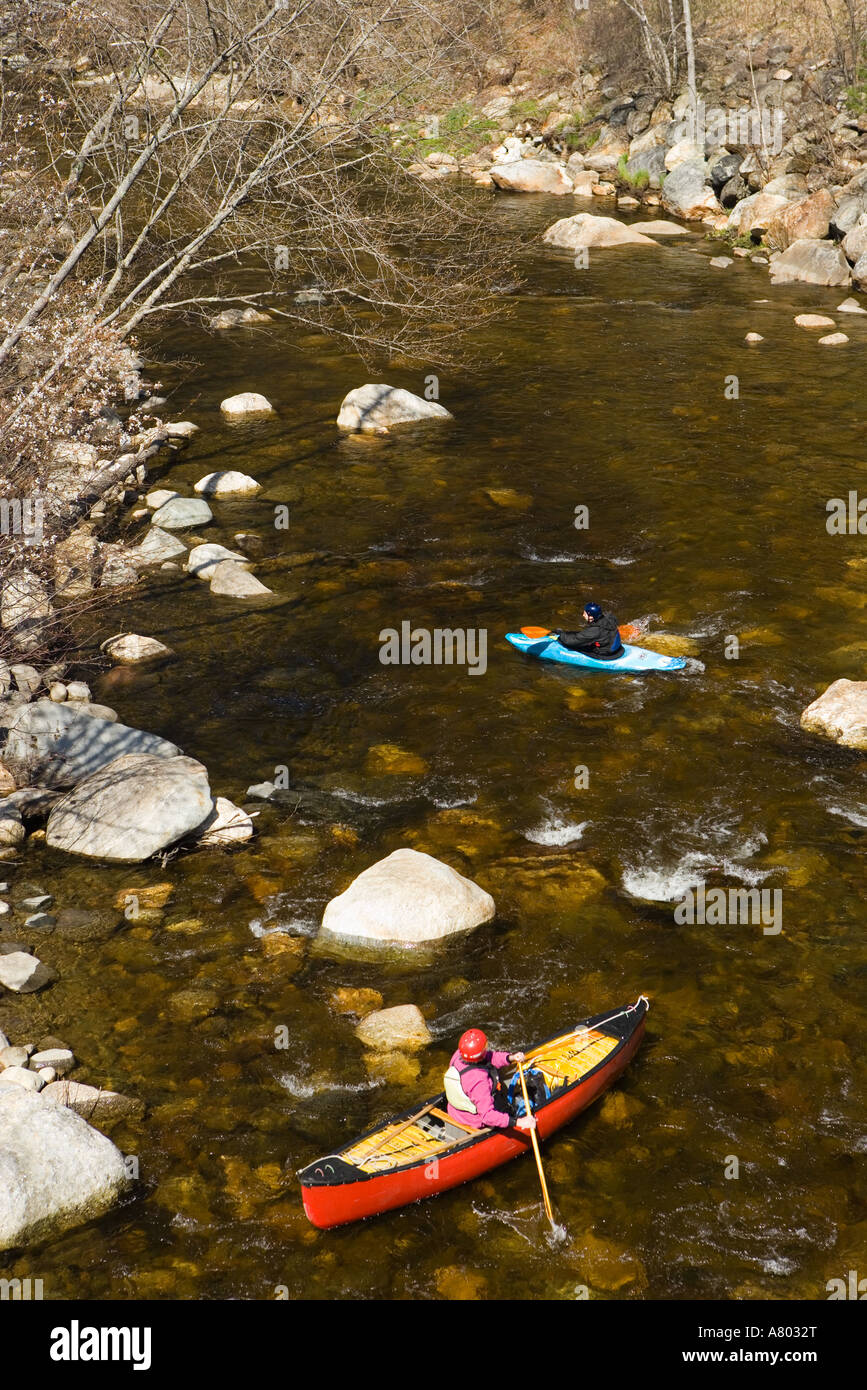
x: 593, y: 611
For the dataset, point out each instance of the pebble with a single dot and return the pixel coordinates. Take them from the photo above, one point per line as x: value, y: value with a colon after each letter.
x: 833, y: 340
x: 721, y: 262
x: 78, y: 690
x: 754, y: 338
x: 57, y: 692
x: 35, y: 904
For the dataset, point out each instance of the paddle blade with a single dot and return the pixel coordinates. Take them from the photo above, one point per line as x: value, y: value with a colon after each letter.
x: 628, y: 631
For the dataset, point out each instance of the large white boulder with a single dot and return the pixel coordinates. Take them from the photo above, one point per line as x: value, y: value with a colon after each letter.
x: 57, y: 745
x: 55, y: 1170
x: 131, y: 809
x: 376, y: 407
x: 179, y: 513
x: 232, y: 581
x: 812, y: 263
x: 228, y: 483
x: 687, y: 193
x: 531, y: 176
x: 128, y: 648
x: 840, y: 714
x: 756, y: 213
x: 409, y: 897
x: 587, y: 230
x: 246, y: 403
x: 203, y: 560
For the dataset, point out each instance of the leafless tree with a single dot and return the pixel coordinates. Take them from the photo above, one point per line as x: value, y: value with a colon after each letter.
x: 178, y: 156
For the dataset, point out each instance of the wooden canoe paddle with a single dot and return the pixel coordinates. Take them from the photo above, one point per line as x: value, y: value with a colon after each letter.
x: 535, y: 1139
x: 627, y: 632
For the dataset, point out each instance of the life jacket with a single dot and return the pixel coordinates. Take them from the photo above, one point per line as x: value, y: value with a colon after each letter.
x: 455, y: 1093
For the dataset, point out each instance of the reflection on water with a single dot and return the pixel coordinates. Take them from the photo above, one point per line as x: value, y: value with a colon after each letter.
x: 605, y: 390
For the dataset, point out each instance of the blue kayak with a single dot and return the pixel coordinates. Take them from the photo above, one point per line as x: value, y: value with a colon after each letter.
x: 633, y: 658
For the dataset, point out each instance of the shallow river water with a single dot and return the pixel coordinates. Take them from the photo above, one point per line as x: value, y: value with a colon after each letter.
x: 606, y: 389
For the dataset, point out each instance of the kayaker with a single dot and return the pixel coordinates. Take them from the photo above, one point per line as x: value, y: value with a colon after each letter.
x: 472, y: 1085
x: 599, y: 639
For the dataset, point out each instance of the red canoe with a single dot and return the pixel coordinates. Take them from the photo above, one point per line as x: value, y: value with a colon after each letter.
x: 423, y: 1152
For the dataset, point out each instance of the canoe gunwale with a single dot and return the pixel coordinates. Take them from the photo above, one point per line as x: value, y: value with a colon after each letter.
x: 344, y: 1173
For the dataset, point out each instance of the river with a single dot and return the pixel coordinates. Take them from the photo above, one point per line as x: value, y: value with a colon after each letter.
x: 609, y: 388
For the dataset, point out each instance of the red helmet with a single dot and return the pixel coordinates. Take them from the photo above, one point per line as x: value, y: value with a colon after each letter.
x: 473, y: 1045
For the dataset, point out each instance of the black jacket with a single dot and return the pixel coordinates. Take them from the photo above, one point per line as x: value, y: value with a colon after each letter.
x: 600, y: 639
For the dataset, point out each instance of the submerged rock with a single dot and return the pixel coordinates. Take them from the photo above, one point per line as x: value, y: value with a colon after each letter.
x: 379, y: 406
x: 840, y: 713
x: 238, y: 318
x: 408, y: 897
x: 132, y: 808
x: 401, y: 1028
x: 55, y: 1170
x: 360, y: 1002
x: 92, y: 1104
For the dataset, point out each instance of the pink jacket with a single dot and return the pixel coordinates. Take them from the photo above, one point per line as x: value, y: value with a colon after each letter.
x: 476, y: 1086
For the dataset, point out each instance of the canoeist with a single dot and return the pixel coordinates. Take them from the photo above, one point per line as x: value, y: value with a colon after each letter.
x: 473, y: 1091
x: 599, y: 639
